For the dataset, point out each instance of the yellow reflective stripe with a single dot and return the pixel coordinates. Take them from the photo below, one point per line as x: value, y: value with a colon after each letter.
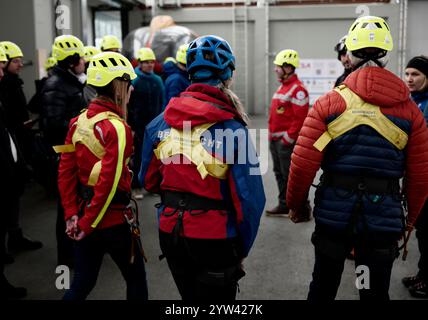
x: 300, y: 102
x: 189, y: 145
x: 358, y: 112
x: 121, y: 143
x: 84, y: 132
x: 323, y: 141
x: 95, y: 173
x: 64, y: 148
x: 287, y: 138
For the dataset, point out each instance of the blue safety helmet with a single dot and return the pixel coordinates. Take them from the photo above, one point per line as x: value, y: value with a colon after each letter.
x: 210, y: 53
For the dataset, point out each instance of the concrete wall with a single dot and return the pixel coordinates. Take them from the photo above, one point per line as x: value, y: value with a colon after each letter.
x: 417, y: 26
x: 17, y: 25
x: 44, y: 34
x: 312, y: 30
x: 31, y: 25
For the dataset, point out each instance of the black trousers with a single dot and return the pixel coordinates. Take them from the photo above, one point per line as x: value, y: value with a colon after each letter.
x: 2, y: 248
x: 204, y: 270
x: 377, y: 253
x: 89, y: 253
x: 12, y: 213
x: 136, y: 158
x: 422, y: 237
x: 281, y: 156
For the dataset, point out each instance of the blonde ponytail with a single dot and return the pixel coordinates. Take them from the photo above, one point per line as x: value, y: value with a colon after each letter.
x: 121, y: 96
x: 224, y: 87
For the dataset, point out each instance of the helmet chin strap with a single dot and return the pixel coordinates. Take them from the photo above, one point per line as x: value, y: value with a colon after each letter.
x: 286, y: 75
x: 366, y: 57
x: 365, y: 60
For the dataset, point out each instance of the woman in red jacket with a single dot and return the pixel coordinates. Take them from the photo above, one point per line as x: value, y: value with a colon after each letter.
x: 198, y: 155
x: 95, y: 182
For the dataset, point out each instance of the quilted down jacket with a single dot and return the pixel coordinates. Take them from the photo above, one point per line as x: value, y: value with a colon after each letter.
x: 362, y: 151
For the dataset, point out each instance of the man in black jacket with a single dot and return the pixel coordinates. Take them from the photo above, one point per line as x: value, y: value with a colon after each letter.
x: 9, y: 164
x: 16, y: 114
x: 343, y: 57
x: 62, y: 100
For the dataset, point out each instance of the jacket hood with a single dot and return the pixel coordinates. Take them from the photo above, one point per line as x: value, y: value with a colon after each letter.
x: 378, y: 86
x: 199, y: 104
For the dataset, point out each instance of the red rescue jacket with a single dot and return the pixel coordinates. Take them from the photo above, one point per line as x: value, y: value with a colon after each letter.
x: 289, y: 108
x: 75, y: 167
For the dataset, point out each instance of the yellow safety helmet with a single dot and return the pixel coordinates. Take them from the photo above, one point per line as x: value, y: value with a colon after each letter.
x: 369, y: 32
x: 65, y: 46
x: 89, y: 52
x: 11, y: 50
x: 3, y: 57
x: 288, y: 56
x: 50, y: 63
x: 145, y: 54
x: 181, y: 53
x: 110, y: 42
x: 170, y: 59
x: 107, y: 66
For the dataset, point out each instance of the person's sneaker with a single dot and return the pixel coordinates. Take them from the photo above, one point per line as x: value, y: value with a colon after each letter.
x: 278, y: 212
x: 8, y: 258
x: 410, y: 281
x: 138, y: 194
x: 419, y: 290
x: 22, y: 243
x: 351, y: 255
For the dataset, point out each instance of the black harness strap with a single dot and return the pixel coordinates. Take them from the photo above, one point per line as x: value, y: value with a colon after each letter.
x: 361, y: 186
x: 120, y: 197
x: 189, y: 201
x: 184, y: 201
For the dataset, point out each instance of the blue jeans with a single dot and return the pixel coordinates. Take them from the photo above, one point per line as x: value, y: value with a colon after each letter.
x: 89, y: 253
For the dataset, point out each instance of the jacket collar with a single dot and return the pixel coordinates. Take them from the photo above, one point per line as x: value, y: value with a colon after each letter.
x: 68, y: 76
x: 199, y: 104
x: 292, y: 79
x: 101, y: 104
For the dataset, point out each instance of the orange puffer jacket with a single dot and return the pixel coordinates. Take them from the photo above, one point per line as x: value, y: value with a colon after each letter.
x: 362, y: 151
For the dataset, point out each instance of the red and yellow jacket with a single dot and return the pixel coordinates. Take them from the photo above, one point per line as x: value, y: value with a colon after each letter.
x: 113, y: 136
x: 228, y: 172
x: 289, y: 108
